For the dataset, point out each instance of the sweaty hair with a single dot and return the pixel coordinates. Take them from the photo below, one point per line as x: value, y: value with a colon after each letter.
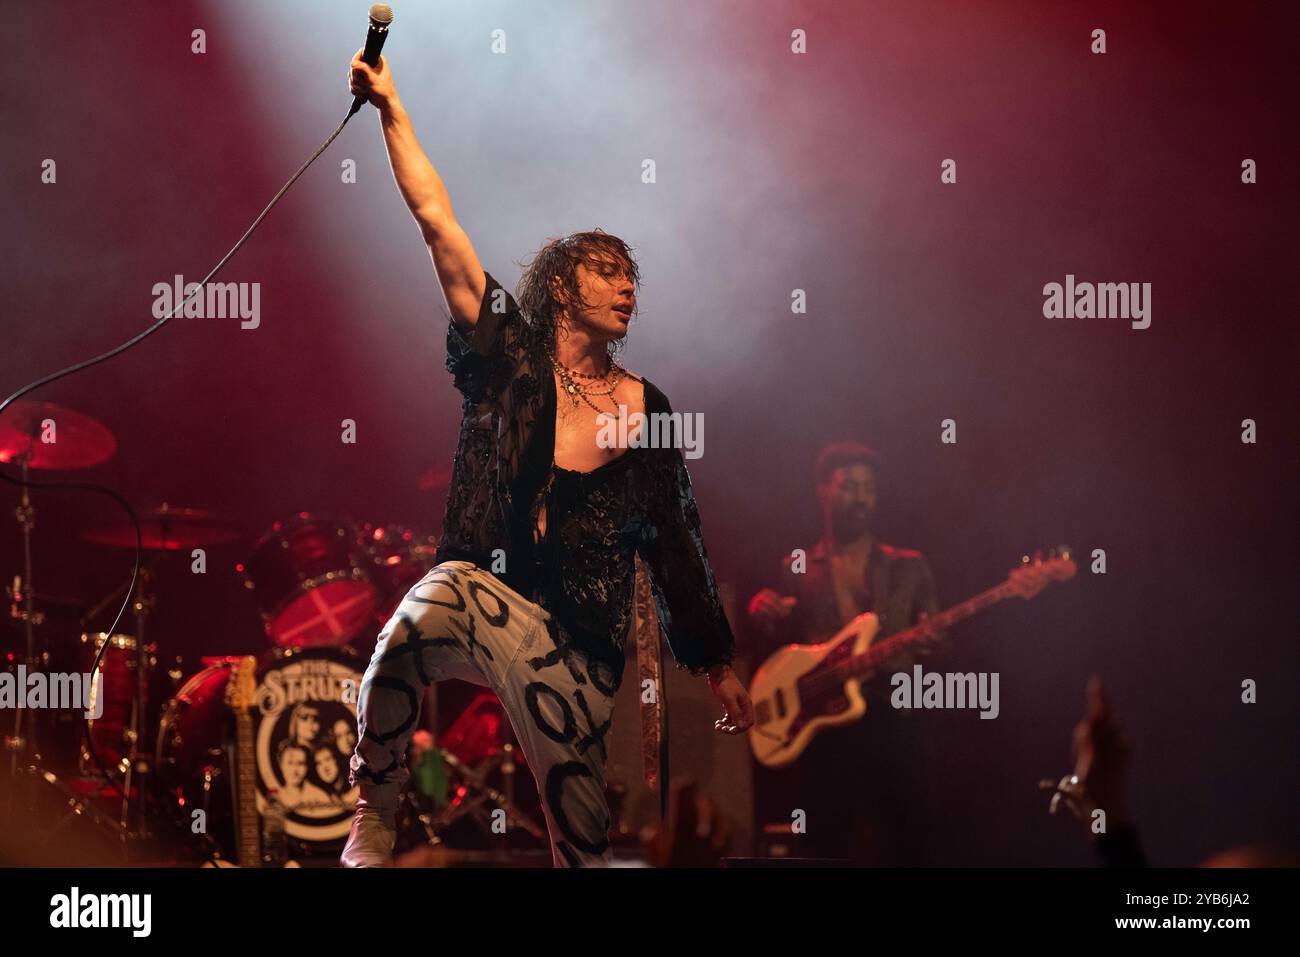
x: 560, y: 257
x: 839, y: 454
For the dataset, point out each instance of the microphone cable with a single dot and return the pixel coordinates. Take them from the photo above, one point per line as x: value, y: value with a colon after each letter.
x: 104, y: 490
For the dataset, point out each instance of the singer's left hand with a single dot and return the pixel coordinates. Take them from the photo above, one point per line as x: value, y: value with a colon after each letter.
x: 727, y: 688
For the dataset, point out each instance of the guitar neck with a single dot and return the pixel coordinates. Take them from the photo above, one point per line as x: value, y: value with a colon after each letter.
x: 250, y: 850
x: 921, y: 634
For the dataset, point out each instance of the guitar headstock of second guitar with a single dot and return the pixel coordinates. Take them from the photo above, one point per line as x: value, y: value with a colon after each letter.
x: 241, y: 690
x: 1036, y: 573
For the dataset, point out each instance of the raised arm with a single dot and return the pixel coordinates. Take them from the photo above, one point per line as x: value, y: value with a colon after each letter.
x: 454, y: 259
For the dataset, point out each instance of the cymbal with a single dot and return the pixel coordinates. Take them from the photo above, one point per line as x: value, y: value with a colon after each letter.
x: 168, y: 529
x: 79, y: 441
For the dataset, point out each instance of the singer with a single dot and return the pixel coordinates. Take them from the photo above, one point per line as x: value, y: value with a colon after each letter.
x: 532, y: 594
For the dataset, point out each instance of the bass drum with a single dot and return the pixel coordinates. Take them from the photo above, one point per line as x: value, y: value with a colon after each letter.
x: 304, y: 732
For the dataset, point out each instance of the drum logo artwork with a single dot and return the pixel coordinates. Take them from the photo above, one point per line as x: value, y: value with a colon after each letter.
x: 307, y: 730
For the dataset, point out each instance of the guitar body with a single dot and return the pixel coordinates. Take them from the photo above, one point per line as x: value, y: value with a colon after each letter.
x: 802, y: 689
x: 789, y: 712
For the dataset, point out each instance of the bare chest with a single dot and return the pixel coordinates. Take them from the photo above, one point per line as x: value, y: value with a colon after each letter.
x: 588, y: 432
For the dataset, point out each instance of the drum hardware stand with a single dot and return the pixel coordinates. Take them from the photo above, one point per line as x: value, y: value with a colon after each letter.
x: 136, y: 762
x: 78, y: 807
x: 476, y: 792
x: 22, y: 606
x: 211, y: 847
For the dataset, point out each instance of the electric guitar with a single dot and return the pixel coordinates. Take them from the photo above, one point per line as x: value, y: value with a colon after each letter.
x: 241, y: 696
x: 801, y: 689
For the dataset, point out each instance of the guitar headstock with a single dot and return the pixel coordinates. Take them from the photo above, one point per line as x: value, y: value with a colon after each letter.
x: 1035, y: 574
x: 241, y: 690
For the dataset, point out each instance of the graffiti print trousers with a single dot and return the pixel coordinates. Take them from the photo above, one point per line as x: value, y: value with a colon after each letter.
x: 462, y: 622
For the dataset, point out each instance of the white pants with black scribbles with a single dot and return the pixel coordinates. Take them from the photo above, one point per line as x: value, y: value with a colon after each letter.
x: 462, y: 622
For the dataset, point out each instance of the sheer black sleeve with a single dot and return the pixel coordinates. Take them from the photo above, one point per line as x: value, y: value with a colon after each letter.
x: 493, y: 347
x: 686, y: 595
x: 494, y: 367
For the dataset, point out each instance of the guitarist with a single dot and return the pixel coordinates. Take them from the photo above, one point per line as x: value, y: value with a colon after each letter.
x: 862, y: 785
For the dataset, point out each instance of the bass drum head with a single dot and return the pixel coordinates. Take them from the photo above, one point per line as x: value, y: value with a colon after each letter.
x: 304, y: 731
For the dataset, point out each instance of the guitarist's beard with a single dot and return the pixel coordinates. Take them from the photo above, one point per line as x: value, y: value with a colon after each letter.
x: 851, y: 523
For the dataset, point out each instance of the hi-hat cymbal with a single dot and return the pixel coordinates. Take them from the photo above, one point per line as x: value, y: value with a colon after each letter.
x: 168, y: 529
x: 70, y: 440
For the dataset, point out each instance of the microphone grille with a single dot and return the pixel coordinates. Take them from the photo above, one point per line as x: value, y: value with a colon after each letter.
x: 382, y: 14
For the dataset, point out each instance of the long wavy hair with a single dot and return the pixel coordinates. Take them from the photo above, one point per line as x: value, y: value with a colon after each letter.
x: 560, y: 257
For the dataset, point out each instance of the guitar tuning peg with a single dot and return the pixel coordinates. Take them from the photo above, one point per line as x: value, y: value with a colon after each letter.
x: 1038, y: 556
x: 1024, y: 559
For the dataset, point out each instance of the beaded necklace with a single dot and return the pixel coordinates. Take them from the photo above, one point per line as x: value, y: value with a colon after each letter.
x: 582, y: 391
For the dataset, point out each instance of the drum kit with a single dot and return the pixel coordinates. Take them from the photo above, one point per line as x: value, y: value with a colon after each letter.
x: 154, y: 770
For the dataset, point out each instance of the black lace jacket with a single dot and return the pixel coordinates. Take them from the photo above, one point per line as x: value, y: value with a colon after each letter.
x: 583, y: 572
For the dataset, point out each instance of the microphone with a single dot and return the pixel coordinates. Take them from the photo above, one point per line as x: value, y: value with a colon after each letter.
x: 381, y: 18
